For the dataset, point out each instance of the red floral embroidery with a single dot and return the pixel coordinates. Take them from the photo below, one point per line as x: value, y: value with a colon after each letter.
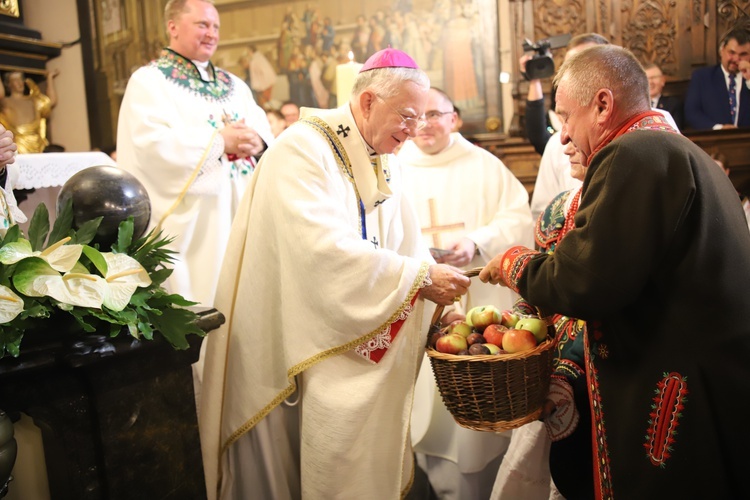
x: 664, y: 417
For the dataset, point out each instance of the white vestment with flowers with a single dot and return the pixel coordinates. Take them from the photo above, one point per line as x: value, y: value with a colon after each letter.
x: 312, y: 285
x: 167, y: 129
x: 10, y: 214
x: 468, y: 185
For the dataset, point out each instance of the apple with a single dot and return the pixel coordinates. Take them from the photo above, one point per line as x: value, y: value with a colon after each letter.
x: 493, y: 348
x: 451, y: 343
x: 476, y: 338
x: 516, y: 340
x: 460, y: 327
x: 478, y: 349
x: 434, y: 337
x: 468, y: 315
x: 508, y: 319
x: 483, y: 316
x: 537, y: 326
x: 493, y: 334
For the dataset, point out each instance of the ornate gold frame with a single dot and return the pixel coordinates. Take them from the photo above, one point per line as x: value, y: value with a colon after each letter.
x: 9, y: 8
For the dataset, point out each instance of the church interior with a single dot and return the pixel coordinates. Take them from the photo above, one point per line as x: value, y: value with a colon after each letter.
x: 124, y: 426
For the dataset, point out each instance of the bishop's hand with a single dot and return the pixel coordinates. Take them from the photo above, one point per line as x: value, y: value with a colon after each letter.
x: 447, y: 283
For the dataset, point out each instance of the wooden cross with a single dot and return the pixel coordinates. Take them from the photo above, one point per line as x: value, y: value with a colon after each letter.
x: 436, y: 230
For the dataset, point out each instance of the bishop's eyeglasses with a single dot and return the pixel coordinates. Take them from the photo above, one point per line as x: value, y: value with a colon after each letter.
x: 411, y: 122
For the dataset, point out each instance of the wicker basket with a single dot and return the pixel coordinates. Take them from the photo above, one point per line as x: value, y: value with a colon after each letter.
x: 493, y: 392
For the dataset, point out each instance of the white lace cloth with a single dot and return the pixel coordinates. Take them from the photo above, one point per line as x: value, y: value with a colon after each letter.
x: 43, y: 170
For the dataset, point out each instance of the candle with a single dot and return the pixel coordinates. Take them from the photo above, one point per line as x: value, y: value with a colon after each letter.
x: 345, y: 75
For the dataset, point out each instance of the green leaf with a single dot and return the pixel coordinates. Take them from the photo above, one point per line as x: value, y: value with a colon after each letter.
x: 175, y: 324
x: 160, y: 276
x: 63, y: 223
x: 96, y: 258
x: 87, y: 231
x: 39, y: 227
x: 124, y: 236
x: 146, y: 330
x: 12, y: 235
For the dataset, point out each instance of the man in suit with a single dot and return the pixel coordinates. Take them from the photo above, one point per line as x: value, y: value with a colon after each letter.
x: 672, y: 104
x: 718, y: 96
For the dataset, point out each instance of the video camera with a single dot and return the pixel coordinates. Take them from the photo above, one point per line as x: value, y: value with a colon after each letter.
x: 542, y: 65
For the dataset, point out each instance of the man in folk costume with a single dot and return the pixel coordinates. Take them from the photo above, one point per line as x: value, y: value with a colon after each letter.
x: 469, y: 204
x: 188, y: 131
x: 308, y: 392
x: 667, y: 342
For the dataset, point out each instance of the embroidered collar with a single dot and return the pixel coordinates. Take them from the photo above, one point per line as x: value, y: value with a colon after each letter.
x: 648, y: 120
x: 182, y: 72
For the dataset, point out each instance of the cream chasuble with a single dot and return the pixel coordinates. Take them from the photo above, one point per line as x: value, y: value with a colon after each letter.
x: 324, y: 258
x: 168, y: 138
x: 463, y: 191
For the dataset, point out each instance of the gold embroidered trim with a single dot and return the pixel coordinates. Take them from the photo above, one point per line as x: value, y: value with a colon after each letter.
x: 300, y: 367
x: 342, y: 159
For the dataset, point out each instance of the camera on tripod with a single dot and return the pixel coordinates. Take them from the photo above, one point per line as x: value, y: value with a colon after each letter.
x: 541, y: 65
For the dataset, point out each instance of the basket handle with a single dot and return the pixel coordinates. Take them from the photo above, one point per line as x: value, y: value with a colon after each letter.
x: 435, y: 323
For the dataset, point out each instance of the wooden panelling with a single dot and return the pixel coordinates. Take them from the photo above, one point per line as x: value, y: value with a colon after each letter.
x: 519, y: 155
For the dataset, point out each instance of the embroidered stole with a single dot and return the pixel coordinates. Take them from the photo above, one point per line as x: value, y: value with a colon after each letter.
x: 374, y: 349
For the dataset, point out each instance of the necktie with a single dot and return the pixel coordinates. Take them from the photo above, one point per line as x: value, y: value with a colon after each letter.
x: 732, y: 98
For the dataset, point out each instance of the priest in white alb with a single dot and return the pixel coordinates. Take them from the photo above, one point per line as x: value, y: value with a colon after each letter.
x: 308, y: 385
x: 188, y: 131
x: 469, y: 205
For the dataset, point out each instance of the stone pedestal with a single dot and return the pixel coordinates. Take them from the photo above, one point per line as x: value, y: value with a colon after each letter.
x: 118, y: 416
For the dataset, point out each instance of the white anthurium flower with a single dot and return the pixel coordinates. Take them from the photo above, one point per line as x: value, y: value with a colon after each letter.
x: 11, y: 304
x: 124, y: 275
x: 59, y: 256
x: 36, y: 278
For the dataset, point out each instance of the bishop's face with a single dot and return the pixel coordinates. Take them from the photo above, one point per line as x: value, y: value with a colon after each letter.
x: 389, y: 121
x: 195, y: 32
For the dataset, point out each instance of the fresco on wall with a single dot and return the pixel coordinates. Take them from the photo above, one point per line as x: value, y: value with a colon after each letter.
x: 454, y: 41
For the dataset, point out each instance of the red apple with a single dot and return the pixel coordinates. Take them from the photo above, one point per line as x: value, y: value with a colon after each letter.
x: 483, y: 316
x: 508, y: 319
x: 434, y: 337
x: 451, y: 343
x: 537, y: 326
x: 460, y: 327
x: 493, y: 334
x: 516, y: 340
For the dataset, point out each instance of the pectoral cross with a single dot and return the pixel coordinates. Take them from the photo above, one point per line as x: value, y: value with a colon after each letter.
x: 435, y: 230
x: 374, y: 242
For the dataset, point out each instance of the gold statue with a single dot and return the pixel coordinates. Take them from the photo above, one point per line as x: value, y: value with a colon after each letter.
x: 26, y: 115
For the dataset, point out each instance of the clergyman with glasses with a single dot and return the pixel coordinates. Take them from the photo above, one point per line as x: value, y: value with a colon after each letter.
x: 308, y: 385
x: 468, y: 205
